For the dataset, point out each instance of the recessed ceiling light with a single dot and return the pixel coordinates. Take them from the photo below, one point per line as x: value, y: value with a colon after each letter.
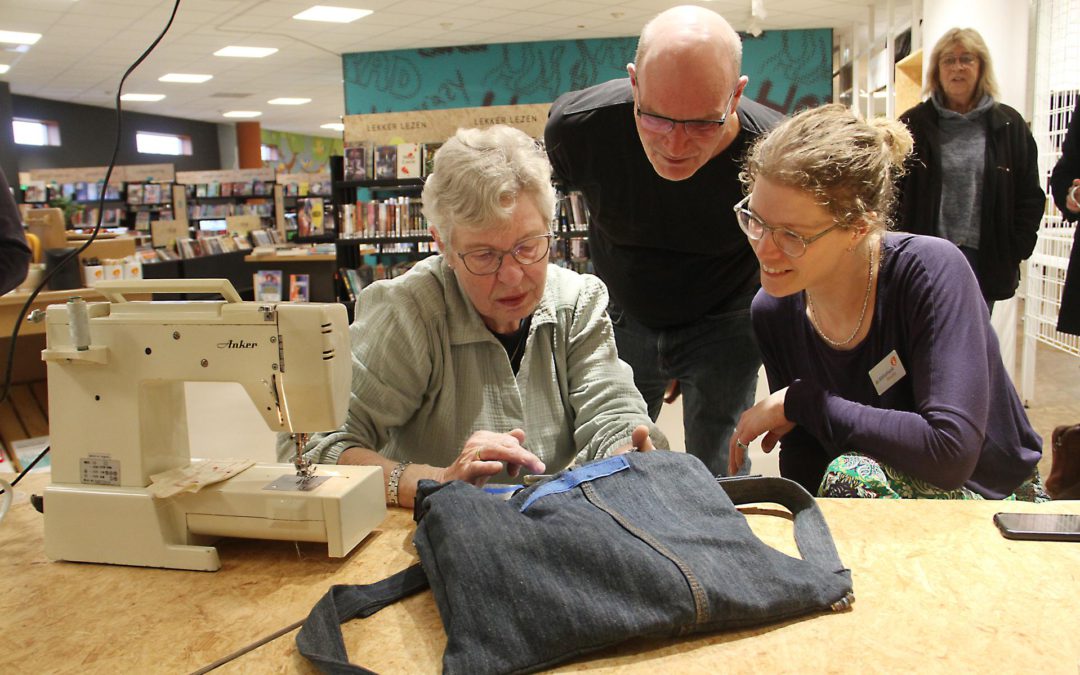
x: 333, y: 126
x: 246, y: 52
x: 17, y: 38
x: 242, y: 113
x: 188, y: 78
x: 331, y: 14
x: 289, y: 101
x: 4, y: 68
x: 142, y: 97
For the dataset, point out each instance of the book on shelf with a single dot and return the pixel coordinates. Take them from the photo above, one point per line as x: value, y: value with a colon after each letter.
x: 427, y: 152
x: 408, y: 160
x: 152, y: 193
x: 34, y: 191
x: 299, y: 288
x: 225, y: 189
x: 310, y: 213
x: 135, y: 193
x: 386, y: 161
x: 357, y: 161
x: 268, y: 286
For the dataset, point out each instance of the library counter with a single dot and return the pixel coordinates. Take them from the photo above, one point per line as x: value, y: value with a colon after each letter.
x: 937, y: 589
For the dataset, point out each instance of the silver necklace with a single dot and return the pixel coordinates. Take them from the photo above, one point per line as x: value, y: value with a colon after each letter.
x: 816, y: 323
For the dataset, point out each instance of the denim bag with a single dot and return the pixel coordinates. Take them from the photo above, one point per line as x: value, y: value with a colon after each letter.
x: 641, y: 544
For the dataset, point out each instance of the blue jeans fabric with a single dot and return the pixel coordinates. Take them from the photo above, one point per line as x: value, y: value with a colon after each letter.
x: 654, y: 549
x: 716, y: 362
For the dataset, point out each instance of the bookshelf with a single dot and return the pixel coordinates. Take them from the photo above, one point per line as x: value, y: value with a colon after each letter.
x: 298, y: 197
x: 215, y: 196
x: 82, y: 192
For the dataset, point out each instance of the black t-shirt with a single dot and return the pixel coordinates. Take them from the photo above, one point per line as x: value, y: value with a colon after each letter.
x: 670, y: 252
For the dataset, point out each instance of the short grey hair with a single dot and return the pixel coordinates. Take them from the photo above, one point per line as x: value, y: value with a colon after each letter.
x: 478, y: 176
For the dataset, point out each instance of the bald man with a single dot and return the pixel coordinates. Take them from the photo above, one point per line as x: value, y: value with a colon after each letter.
x: 657, y: 157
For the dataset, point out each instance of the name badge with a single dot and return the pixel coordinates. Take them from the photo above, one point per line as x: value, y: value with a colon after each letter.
x: 887, y: 373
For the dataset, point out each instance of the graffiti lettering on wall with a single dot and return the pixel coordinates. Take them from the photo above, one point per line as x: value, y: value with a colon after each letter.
x: 788, y: 70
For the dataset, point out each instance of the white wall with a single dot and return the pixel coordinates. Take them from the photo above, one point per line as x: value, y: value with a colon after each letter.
x: 1004, y: 26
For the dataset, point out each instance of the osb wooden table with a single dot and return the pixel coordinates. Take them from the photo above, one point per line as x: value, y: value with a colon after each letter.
x: 937, y: 589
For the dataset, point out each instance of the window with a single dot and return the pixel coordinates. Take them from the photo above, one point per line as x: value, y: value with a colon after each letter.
x: 35, y: 132
x: 162, y: 144
x: 270, y: 153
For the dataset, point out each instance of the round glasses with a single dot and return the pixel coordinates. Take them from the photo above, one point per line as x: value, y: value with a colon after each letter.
x: 485, y: 261
x: 793, y: 245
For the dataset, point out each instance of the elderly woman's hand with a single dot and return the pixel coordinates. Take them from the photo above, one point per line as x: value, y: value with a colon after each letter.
x: 486, y: 452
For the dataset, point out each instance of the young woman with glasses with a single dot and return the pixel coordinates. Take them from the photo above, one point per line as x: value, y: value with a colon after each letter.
x: 885, y: 374
x: 485, y: 360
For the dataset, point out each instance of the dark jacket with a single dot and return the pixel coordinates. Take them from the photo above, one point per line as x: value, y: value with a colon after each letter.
x: 1012, y: 203
x: 1066, y: 169
x: 14, y: 253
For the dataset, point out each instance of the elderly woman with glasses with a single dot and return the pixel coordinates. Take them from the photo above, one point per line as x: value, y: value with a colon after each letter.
x: 485, y: 360
x: 974, y: 177
x: 885, y: 374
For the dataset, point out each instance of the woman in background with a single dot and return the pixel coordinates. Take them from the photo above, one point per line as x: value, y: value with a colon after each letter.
x: 886, y: 376
x: 974, y: 176
x: 485, y: 359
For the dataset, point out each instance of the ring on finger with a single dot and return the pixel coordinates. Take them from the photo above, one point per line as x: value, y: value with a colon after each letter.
x: 478, y: 457
x: 742, y: 445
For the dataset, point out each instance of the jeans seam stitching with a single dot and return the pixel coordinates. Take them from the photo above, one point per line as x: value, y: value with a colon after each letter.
x: 701, y: 611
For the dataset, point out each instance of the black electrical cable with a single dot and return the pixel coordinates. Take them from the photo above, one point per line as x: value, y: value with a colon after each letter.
x: 97, y: 228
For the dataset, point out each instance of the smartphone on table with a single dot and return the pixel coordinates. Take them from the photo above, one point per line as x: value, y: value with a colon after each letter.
x: 1039, y: 526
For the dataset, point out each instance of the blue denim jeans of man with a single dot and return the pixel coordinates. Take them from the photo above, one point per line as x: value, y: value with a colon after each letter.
x: 716, y: 361
x: 644, y: 544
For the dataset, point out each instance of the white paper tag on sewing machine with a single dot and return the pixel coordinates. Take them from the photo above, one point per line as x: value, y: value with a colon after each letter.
x: 195, y: 476
x: 887, y: 373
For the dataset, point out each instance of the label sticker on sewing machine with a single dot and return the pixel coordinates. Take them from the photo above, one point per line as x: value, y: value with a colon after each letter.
x: 100, y: 470
x: 887, y: 373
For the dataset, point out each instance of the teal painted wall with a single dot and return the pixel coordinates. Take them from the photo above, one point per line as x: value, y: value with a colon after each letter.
x: 788, y: 70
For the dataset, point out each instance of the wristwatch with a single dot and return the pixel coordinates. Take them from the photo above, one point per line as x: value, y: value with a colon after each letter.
x: 392, y: 484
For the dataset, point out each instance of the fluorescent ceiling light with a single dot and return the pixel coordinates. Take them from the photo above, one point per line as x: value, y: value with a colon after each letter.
x: 242, y: 113
x: 17, y: 38
x: 332, y: 14
x: 142, y: 97
x: 4, y: 68
x: 246, y: 52
x: 185, y: 77
x: 333, y: 126
x: 289, y: 101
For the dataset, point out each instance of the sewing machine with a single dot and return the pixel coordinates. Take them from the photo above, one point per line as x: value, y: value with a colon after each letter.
x: 117, y: 416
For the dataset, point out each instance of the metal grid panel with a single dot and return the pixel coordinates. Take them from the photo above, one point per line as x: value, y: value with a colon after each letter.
x: 1057, y: 87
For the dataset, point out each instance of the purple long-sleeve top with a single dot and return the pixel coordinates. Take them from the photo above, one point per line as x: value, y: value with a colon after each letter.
x: 953, y: 419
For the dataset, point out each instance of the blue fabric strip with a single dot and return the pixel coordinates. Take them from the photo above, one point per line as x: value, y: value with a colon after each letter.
x: 574, y: 477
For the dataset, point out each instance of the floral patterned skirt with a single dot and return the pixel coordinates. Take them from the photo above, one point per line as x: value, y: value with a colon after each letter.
x: 857, y: 475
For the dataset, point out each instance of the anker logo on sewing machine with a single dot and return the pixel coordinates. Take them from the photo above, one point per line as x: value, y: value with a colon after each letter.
x: 237, y: 344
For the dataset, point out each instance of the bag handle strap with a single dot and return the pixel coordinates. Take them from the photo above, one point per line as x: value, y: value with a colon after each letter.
x: 320, y: 641
x: 812, y: 536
